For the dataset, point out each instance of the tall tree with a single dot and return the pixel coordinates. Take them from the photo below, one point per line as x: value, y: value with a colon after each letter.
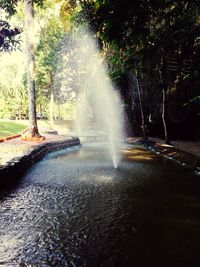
x: 6, y: 41
x: 32, y: 132
x: 52, y: 52
x: 47, y: 59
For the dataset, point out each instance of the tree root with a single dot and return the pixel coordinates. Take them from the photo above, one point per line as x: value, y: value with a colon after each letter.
x: 32, y: 135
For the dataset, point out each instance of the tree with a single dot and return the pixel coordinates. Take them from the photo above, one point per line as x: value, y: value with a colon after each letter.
x: 47, y: 58
x: 156, y: 32
x: 6, y: 38
x: 12, y: 88
x: 32, y: 132
x: 52, y: 54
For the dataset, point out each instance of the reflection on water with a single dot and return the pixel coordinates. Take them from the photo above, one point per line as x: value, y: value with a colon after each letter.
x: 75, y: 209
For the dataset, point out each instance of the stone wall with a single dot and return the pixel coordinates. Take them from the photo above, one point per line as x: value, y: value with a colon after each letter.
x: 11, y: 172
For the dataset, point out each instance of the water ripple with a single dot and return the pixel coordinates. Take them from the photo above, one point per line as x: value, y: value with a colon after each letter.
x: 77, y: 210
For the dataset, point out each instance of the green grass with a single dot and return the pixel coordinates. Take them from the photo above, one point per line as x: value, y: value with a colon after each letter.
x: 10, y: 127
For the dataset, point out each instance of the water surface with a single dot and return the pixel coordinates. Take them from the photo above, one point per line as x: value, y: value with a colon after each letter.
x: 76, y: 209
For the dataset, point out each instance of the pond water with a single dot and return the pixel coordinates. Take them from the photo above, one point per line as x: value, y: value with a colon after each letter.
x: 76, y: 209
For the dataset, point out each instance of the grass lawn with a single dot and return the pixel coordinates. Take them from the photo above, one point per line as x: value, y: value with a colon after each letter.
x: 11, y: 127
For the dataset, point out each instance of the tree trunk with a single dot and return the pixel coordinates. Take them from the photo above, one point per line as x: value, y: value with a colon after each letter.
x: 164, y: 116
x: 141, y: 111
x: 32, y: 133
x: 51, y: 107
x: 164, y: 110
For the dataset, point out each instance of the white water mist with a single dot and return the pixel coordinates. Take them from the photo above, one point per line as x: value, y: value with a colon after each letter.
x: 99, y: 106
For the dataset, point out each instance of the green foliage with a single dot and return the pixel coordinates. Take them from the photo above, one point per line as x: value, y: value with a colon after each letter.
x: 158, y: 38
x: 8, y: 40
x: 193, y: 101
x: 46, y: 56
x: 52, y: 32
x: 193, y: 106
x: 65, y: 111
x: 13, y: 102
x: 120, y: 61
x: 9, y: 6
x: 51, y: 67
x: 147, y: 26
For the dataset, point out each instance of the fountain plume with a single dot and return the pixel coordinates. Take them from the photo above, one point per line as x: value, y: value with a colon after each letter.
x: 98, y: 105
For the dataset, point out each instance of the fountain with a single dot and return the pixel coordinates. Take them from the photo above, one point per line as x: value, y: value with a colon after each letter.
x: 98, y: 105
x: 73, y: 209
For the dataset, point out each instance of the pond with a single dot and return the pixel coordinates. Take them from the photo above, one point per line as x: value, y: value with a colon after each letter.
x: 75, y: 209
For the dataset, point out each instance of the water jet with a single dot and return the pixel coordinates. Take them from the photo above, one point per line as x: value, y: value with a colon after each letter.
x: 99, y: 107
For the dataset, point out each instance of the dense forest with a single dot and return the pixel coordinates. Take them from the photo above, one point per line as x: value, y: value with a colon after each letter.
x: 152, y: 49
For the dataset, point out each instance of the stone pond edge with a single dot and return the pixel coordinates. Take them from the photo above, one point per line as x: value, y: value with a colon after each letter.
x: 12, y: 171
x: 185, y: 159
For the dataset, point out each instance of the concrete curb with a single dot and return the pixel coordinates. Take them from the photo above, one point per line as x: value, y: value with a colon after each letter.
x: 11, y: 172
x: 10, y: 137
